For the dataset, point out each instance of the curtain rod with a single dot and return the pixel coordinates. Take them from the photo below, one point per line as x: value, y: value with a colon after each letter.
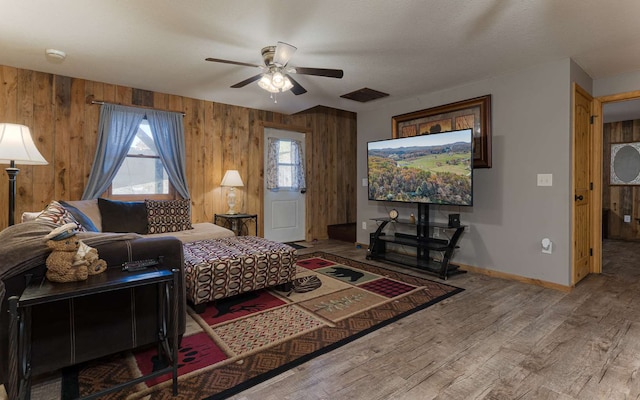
x: 91, y: 101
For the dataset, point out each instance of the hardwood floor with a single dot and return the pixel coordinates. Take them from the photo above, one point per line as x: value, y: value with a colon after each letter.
x: 498, y: 339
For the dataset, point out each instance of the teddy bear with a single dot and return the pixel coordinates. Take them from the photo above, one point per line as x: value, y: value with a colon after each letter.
x: 70, y: 259
x: 87, y: 255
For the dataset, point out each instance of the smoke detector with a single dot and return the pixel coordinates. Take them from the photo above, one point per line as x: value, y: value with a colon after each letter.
x: 58, y: 55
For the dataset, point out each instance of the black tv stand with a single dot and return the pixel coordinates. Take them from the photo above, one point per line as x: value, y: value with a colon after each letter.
x: 423, y: 243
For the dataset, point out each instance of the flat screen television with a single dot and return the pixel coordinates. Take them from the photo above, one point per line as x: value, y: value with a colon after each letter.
x: 430, y: 169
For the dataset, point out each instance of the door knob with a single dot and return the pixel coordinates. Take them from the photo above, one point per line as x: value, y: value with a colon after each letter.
x: 579, y: 197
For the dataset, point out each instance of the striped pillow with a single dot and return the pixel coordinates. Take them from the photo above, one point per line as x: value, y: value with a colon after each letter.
x: 56, y: 213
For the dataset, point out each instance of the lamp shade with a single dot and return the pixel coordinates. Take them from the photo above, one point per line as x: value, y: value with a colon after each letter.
x: 232, y: 178
x: 17, y: 145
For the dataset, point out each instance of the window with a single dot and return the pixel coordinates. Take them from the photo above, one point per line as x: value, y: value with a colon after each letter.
x: 285, y: 164
x: 285, y: 169
x: 142, y: 174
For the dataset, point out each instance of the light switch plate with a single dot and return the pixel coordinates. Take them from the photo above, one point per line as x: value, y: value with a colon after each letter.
x: 545, y: 179
x: 365, y: 182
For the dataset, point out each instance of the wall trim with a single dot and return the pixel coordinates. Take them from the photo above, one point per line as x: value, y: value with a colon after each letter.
x: 513, y: 277
x: 502, y: 275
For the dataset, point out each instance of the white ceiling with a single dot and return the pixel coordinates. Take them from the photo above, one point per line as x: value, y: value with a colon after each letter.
x: 399, y: 47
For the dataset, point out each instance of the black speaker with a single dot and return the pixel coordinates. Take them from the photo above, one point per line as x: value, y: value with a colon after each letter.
x: 454, y: 220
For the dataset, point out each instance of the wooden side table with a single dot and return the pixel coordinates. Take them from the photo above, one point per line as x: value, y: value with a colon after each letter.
x: 42, y: 291
x: 238, y: 223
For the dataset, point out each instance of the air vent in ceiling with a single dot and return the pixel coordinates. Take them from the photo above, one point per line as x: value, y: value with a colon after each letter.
x: 364, y: 95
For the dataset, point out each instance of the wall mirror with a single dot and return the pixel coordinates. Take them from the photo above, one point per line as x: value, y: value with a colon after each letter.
x: 625, y: 164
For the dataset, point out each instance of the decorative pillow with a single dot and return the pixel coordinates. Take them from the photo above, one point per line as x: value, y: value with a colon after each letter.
x: 123, y: 216
x: 56, y: 213
x: 168, y: 215
x: 90, y: 209
x: 80, y: 217
x: 29, y: 216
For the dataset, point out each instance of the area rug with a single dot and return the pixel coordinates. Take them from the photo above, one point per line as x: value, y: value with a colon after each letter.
x: 241, y: 341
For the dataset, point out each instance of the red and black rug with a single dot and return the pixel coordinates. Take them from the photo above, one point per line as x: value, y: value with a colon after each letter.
x: 241, y: 341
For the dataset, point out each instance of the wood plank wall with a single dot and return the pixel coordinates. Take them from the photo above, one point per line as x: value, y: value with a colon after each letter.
x: 619, y: 200
x: 218, y: 137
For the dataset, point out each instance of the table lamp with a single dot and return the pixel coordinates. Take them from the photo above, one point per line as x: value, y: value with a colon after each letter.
x: 232, y: 180
x: 17, y: 147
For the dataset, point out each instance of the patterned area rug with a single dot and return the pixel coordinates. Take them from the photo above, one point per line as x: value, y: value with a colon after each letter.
x: 244, y: 340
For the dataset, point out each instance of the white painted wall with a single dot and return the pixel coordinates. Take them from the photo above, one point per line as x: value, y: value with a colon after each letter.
x: 581, y: 78
x: 617, y: 84
x: 511, y: 214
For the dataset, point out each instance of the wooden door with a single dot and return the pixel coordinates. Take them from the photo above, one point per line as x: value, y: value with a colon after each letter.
x: 582, y: 181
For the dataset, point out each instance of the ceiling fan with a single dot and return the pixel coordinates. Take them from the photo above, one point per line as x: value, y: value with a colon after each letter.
x: 276, y: 74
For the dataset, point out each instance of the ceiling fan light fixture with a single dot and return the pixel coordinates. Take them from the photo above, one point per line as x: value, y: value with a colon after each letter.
x: 275, y: 82
x: 275, y: 73
x: 287, y: 85
x: 277, y: 79
x: 265, y: 83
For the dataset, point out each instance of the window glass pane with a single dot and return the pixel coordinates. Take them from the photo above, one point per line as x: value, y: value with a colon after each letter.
x: 285, y: 176
x: 143, y: 142
x: 142, y: 172
x: 284, y: 152
x: 141, y: 176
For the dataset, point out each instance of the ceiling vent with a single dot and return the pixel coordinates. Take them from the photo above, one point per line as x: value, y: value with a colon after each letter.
x: 364, y: 95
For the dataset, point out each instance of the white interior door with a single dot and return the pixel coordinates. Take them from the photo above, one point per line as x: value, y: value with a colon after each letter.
x: 284, y: 209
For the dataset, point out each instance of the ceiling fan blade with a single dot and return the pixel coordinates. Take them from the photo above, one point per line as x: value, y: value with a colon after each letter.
x: 218, y: 60
x: 247, y: 81
x: 284, y: 52
x: 297, y: 88
x: 331, y: 73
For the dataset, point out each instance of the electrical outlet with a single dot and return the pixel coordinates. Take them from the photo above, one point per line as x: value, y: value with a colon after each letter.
x: 365, y: 182
x: 436, y: 232
x: 364, y: 225
x: 627, y: 219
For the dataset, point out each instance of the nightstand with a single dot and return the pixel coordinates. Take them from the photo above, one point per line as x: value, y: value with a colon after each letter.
x: 42, y: 291
x: 238, y: 223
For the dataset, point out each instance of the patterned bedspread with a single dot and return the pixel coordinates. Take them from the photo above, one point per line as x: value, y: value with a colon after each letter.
x: 219, y: 268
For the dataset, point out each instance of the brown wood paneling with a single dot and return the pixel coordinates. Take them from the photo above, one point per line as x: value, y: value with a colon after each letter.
x: 24, y: 97
x: 8, y: 113
x: 43, y: 114
x: 217, y: 137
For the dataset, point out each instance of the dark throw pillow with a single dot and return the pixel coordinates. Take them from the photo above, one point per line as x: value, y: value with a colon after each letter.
x: 80, y: 217
x: 168, y: 215
x: 123, y: 216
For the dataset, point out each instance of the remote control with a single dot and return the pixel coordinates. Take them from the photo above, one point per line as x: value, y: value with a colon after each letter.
x: 139, y: 265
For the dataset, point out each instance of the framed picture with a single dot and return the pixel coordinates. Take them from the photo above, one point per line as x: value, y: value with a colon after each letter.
x: 625, y: 164
x: 473, y: 113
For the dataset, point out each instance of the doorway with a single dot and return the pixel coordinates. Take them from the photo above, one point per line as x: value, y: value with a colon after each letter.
x: 284, y: 189
x: 621, y: 167
x: 602, y: 107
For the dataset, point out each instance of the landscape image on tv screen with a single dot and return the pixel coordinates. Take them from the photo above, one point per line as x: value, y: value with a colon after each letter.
x: 434, y: 169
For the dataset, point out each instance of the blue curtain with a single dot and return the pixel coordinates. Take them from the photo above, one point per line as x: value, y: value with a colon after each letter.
x: 118, y: 127
x: 167, y: 129
x: 116, y: 130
